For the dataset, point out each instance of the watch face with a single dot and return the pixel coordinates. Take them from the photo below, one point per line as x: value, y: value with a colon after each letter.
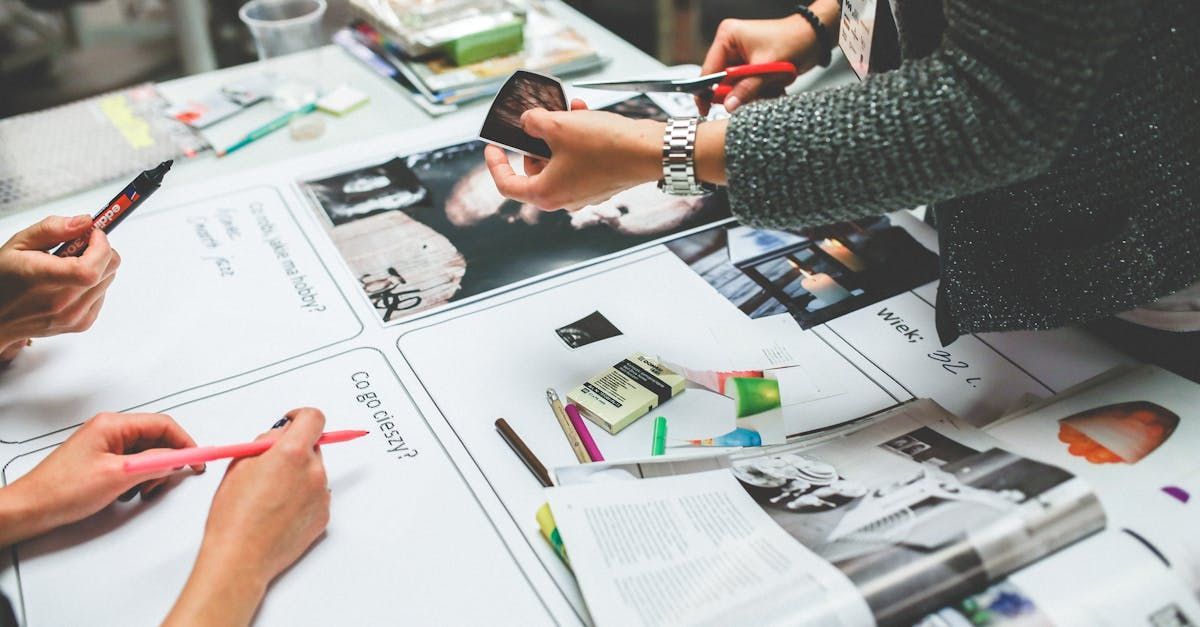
x: 523, y: 91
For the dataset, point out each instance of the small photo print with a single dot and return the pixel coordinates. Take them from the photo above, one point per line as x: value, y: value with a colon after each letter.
x: 814, y: 274
x: 591, y: 328
x: 523, y: 91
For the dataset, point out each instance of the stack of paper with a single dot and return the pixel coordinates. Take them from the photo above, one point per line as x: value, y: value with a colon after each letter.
x: 551, y: 47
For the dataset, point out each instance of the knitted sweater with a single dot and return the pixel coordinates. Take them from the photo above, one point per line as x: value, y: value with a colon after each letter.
x: 1057, y: 142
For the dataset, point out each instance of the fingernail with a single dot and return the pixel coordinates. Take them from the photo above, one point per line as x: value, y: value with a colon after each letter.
x: 732, y: 103
x: 80, y: 220
x: 282, y: 422
x: 128, y: 494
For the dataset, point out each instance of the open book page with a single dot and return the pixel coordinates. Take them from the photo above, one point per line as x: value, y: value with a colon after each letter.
x: 917, y: 510
x: 1135, y: 440
x: 693, y: 549
x: 1111, y: 578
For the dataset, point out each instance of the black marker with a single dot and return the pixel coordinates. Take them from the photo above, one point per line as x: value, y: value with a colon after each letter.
x: 133, y: 195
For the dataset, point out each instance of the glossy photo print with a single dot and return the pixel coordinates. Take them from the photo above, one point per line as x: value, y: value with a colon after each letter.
x: 815, y: 274
x: 427, y: 229
x: 523, y: 91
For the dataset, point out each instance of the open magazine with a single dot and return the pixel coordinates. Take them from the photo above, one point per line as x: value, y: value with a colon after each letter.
x: 917, y: 518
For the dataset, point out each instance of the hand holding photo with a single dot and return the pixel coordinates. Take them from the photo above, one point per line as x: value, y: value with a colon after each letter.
x: 523, y: 91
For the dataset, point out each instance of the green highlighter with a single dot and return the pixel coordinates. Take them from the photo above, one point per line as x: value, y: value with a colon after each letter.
x: 659, y: 445
x: 269, y: 127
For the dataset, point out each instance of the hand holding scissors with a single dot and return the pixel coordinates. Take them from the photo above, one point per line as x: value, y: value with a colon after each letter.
x: 712, y: 87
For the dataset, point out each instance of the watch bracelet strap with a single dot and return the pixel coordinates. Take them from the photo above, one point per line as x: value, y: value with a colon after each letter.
x: 679, y: 159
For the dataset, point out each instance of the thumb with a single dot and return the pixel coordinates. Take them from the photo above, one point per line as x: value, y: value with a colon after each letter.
x: 537, y: 122
x: 52, y: 231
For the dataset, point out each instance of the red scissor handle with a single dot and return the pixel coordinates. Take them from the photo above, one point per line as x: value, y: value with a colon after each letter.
x: 738, y: 72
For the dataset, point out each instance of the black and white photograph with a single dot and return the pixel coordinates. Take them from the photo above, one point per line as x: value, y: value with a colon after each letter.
x: 429, y: 228
x: 588, y: 329
x: 523, y: 91
x: 920, y: 503
x: 814, y: 274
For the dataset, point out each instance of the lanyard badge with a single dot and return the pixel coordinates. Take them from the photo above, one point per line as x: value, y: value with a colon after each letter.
x: 867, y: 36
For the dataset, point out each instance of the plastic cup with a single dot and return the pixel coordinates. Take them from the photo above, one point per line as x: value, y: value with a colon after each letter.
x: 284, y: 26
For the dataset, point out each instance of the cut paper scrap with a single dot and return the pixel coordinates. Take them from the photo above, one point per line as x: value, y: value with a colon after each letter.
x: 1122, y: 432
x: 757, y: 402
x: 759, y: 407
x: 737, y: 437
x: 1177, y: 493
x: 714, y: 380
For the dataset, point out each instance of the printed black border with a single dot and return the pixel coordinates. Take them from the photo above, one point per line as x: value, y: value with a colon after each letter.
x: 415, y: 409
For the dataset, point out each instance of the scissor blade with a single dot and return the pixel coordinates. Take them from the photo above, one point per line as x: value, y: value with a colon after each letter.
x: 688, y: 85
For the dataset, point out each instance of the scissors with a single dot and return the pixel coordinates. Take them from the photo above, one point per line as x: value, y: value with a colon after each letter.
x: 716, y: 85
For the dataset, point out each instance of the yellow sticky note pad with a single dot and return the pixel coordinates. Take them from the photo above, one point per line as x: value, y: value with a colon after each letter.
x: 342, y: 100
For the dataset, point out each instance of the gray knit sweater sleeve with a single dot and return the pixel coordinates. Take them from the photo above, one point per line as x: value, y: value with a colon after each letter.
x: 993, y: 104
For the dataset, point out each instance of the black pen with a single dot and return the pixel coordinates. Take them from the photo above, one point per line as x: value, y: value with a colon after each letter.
x: 134, y: 194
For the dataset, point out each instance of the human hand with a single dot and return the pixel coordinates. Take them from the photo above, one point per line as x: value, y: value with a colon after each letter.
x: 271, y: 507
x: 739, y: 42
x: 595, y: 155
x: 43, y: 295
x: 86, y: 473
x: 266, y: 513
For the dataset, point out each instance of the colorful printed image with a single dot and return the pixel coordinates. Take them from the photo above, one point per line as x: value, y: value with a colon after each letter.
x: 814, y: 274
x: 428, y: 229
x: 1124, y: 432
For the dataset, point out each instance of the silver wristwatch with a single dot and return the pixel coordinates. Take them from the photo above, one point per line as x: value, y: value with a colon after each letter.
x: 679, y: 159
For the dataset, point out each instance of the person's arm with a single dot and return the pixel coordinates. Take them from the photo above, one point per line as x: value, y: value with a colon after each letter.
x: 994, y: 104
x: 268, y: 510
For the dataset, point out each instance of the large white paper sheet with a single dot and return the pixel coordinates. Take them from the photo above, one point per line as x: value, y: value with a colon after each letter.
x: 406, y: 543
x: 497, y: 361
x: 206, y: 291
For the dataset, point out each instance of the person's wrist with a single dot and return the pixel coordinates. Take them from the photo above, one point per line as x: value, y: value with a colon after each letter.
x: 21, y: 515
x: 227, y: 558
x: 804, y: 55
x: 224, y: 587
x: 647, y: 155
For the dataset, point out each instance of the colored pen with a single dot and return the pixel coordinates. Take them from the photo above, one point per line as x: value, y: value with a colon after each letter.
x: 585, y: 436
x: 658, y: 445
x: 269, y: 127
x: 581, y: 453
x: 134, y: 194
x: 518, y: 446
x: 200, y: 454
